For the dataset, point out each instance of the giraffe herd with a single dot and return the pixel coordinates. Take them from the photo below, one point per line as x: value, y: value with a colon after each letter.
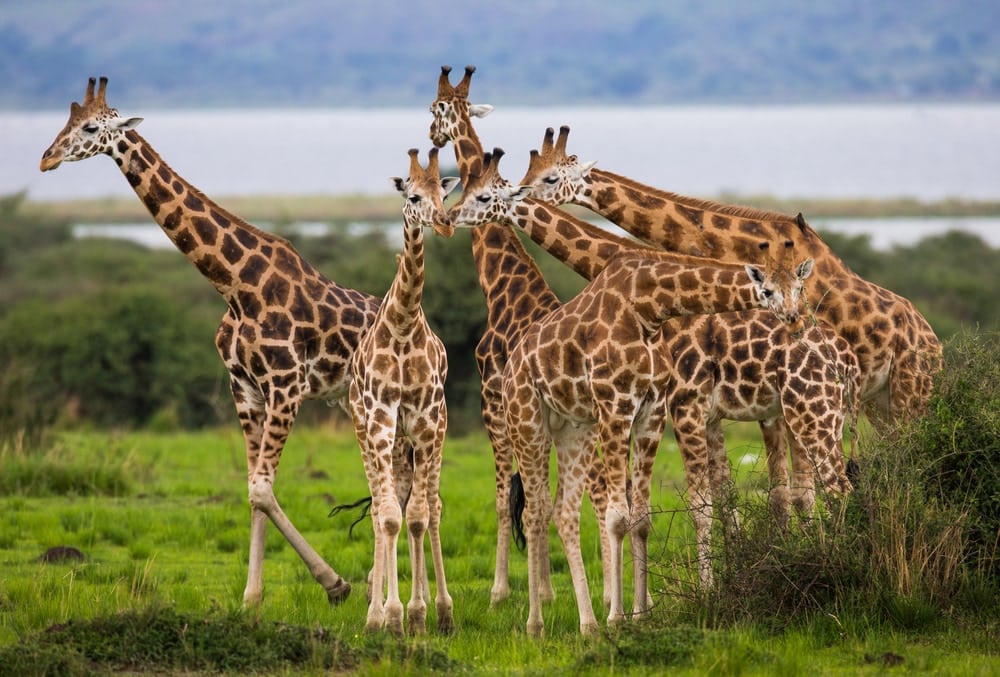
x: 710, y: 312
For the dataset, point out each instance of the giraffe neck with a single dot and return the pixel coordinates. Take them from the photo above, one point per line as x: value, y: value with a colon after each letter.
x: 657, y: 287
x: 219, y: 244
x: 507, y: 274
x: 582, y: 246
x: 402, y: 305
x: 468, y: 151
x: 701, y: 227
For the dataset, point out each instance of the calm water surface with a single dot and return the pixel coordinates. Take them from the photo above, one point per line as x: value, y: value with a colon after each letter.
x: 923, y: 151
x: 928, y: 152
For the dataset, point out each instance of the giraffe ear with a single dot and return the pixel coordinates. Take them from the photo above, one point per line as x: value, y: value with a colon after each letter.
x: 448, y: 184
x: 804, y: 270
x: 480, y: 110
x: 398, y: 183
x: 517, y: 194
x: 126, y: 123
x: 586, y: 167
x: 756, y: 275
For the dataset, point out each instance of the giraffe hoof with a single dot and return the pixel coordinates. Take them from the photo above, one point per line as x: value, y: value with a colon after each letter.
x: 338, y: 593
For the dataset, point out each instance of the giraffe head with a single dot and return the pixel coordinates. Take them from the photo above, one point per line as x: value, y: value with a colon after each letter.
x: 93, y: 128
x: 451, y: 109
x: 780, y: 283
x: 424, y: 191
x: 487, y: 197
x: 555, y: 177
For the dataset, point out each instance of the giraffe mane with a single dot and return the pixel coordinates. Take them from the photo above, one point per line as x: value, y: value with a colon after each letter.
x: 738, y: 211
x: 219, y: 209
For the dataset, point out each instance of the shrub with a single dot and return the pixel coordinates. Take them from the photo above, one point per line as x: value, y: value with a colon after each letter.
x: 916, y: 541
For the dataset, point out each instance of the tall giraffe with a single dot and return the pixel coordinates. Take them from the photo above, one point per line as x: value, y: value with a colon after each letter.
x: 757, y: 340
x: 744, y: 366
x: 897, y: 350
x: 398, y: 404
x: 592, y: 369
x: 516, y: 296
x: 288, y: 333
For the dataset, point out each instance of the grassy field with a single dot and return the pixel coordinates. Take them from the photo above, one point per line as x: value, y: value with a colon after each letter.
x: 162, y: 521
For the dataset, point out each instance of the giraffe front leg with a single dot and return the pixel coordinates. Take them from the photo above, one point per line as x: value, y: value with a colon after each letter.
x: 617, y: 514
x: 572, y: 470
x: 443, y: 602
x: 774, y: 433
x: 721, y: 478
x: 503, y: 468
x: 597, y: 489
x: 417, y: 518
x: 691, y: 435
x: 647, y: 441
x: 251, y: 418
x: 278, y: 421
x: 536, y: 521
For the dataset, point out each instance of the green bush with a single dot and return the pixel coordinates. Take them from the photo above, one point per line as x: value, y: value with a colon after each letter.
x: 957, y: 446
x: 117, y: 357
x: 916, y: 542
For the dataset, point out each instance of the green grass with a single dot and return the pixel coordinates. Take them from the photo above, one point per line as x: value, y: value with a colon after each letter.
x: 165, y: 537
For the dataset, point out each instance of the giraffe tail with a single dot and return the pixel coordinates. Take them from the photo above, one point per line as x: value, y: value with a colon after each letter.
x: 515, y: 504
x: 365, y: 504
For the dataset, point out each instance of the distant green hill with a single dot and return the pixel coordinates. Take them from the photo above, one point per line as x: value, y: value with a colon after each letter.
x: 175, y: 53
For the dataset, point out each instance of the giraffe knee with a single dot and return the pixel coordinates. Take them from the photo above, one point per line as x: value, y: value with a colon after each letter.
x: 390, y: 518
x: 262, y: 496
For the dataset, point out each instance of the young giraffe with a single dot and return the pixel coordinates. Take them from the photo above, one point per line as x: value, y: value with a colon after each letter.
x: 516, y: 297
x: 738, y: 364
x: 397, y: 395
x: 288, y: 333
x: 897, y: 350
x: 592, y: 368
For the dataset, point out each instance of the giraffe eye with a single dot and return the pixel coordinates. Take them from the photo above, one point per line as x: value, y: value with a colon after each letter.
x: 766, y: 293
x: 551, y: 179
x: 90, y: 128
x: 414, y: 199
x: 484, y: 198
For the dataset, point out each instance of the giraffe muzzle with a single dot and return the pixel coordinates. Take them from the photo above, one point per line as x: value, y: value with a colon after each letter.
x: 50, y: 160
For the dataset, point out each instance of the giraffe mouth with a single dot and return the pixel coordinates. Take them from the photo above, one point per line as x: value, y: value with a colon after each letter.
x: 50, y: 161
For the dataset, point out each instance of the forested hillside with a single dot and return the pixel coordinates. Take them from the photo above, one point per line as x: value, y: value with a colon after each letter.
x: 379, y: 52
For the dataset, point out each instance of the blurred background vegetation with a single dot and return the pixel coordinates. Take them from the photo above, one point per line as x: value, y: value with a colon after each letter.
x: 108, y: 333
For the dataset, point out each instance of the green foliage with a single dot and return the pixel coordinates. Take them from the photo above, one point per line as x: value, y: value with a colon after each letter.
x: 114, y: 357
x: 957, y: 446
x: 58, y: 471
x: 913, y: 546
x: 164, y: 640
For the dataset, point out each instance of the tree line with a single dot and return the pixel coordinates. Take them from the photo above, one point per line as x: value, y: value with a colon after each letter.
x: 108, y: 333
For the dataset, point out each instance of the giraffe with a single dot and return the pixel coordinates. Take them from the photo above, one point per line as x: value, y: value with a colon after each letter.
x: 288, y: 332
x: 397, y: 401
x: 591, y: 369
x: 810, y: 374
x: 517, y: 295
x: 896, y: 348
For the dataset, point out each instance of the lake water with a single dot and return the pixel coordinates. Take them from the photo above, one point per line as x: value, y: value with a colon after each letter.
x: 884, y: 234
x: 928, y: 152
